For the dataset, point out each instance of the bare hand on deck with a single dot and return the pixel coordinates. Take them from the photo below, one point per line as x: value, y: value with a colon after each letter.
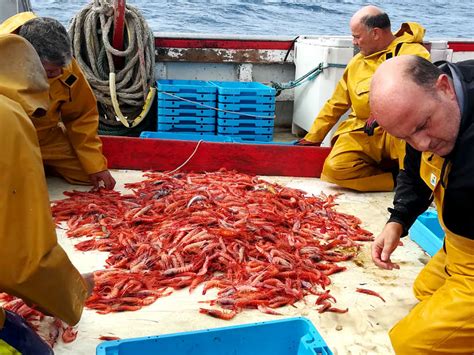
x: 385, y: 244
x: 102, y: 179
x: 303, y: 141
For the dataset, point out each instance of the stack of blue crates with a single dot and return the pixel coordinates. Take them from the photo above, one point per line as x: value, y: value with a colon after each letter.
x: 186, y: 106
x: 246, y: 110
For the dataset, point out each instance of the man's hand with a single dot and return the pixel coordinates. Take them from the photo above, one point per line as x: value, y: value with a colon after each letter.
x: 385, y: 244
x: 102, y: 179
x: 303, y: 141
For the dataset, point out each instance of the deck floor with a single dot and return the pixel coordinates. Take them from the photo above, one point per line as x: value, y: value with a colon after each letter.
x: 363, y: 330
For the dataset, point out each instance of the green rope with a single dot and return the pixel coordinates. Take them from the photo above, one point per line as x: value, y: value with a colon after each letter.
x: 312, y: 74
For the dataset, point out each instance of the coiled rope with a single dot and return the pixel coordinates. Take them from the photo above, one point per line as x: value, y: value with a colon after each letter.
x: 125, y: 95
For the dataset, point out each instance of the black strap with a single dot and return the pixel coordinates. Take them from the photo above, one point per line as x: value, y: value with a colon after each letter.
x: 397, y: 48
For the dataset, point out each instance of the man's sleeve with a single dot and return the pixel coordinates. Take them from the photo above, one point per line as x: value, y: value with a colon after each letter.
x: 332, y: 110
x: 81, y: 118
x: 412, y: 195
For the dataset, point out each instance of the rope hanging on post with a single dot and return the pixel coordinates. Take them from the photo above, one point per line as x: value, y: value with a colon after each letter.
x: 126, y: 94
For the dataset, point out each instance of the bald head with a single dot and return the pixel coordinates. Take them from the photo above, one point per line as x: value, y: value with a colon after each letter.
x: 414, y: 100
x: 370, y: 27
x: 368, y: 15
x: 397, y: 82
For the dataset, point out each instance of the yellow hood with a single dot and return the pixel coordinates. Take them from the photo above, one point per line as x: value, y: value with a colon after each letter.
x: 23, y: 79
x: 11, y: 24
x: 410, y: 32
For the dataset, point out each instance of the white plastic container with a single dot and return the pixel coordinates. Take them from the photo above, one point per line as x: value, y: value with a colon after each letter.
x: 438, y: 50
x: 312, y: 95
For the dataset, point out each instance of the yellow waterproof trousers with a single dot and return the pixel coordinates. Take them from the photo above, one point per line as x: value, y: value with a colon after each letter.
x: 364, y: 163
x: 443, y: 321
x: 59, y: 156
x: 6, y: 349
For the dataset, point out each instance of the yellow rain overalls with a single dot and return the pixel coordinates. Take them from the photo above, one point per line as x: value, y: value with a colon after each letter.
x: 33, y: 266
x: 67, y: 135
x: 443, y: 321
x: 358, y: 161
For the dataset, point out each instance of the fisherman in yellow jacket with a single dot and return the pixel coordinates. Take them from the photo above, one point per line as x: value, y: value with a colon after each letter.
x: 32, y: 264
x: 358, y: 160
x: 70, y: 145
x: 432, y: 108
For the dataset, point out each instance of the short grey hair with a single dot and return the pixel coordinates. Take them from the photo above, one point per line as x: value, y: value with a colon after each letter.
x: 50, y: 39
x: 422, y: 72
x: 380, y: 21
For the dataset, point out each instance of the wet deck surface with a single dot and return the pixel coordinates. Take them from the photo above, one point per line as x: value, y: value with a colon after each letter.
x: 363, y: 330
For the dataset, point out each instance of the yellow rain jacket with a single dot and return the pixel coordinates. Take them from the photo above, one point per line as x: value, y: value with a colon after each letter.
x: 68, y: 133
x: 32, y: 265
x: 352, y: 91
x: 442, y: 322
x: 358, y: 161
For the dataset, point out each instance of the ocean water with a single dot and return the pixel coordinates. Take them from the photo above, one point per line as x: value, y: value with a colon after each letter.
x: 442, y: 19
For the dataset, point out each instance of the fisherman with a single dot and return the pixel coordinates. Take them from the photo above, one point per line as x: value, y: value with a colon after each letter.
x: 70, y: 145
x: 432, y: 109
x: 33, y: 266
x: 359, y: 161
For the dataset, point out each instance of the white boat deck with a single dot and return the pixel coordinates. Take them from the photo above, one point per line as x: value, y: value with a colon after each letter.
x: 363, y: 330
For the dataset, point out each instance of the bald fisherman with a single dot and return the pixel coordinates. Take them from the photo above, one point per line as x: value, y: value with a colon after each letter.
x: 70, y: 145
x: 432, y: 109
x: 33, y: 266
x: 357, y: 160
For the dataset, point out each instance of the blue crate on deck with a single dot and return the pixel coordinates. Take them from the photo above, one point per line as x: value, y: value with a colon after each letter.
x: 197, y: 105
x: 186, y: 86
x: 244, y: 123
x: 167, y: 96
x: 170, y: 127
x: 187, y: 136
x: 292, y: 336
x: 185, y: 112
x: 247, y: 107
x: 246, y: 138
x: 246, y: 115
x: 247, y: 99
x: 244, y: 130
x: 427, y: 232
x: 187, y: 120
x: 243, y: 88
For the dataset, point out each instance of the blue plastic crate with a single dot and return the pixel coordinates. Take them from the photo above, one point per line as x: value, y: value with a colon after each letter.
x: 198, y: 105
x: 244, y: 138
x: 243, y: 88
x: 186, y: 95
x: 292, y: 336
x: 245, y: 130
x: 247, y: 107
x: 247, y: 99
x: 242, y: 115
x: 186, y: 127
x: 187, y: 136
x: 245, y: 123
x: 186, y: 86
x: 427, y: 232
x: 187, y: 120
x: 185, y: 112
